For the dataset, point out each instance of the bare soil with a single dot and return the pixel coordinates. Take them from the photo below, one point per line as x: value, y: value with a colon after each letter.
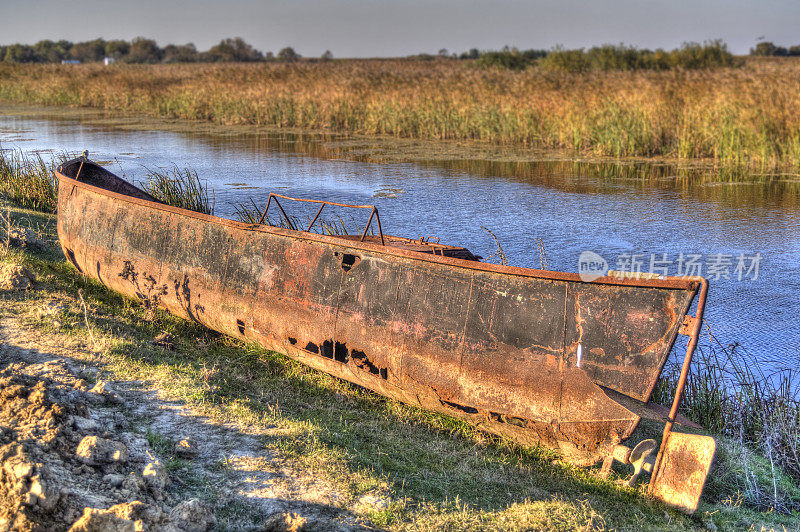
x: 83, y: 453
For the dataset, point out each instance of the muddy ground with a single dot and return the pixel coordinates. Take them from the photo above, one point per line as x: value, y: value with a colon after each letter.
x: 80, y: 452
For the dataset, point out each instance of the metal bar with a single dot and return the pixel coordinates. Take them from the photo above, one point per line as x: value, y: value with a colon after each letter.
x: 288, y: 221
x: 322, y: 204
x: 366, y: 227
x: 380, y: 230
x: 315, y: 217
x: 78, y: 175
x: 264, y: 215
x: 322, y: 201
x: 687, y: 362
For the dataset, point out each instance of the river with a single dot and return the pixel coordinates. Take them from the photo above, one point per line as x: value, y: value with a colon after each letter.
x: 743, y: 235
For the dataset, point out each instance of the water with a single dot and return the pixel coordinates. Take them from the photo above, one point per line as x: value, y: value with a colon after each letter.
x: 614, y: 210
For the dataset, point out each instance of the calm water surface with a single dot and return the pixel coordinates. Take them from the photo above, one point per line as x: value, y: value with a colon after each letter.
x: 614, y: 210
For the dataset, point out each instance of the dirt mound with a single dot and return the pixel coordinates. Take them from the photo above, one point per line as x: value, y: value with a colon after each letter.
x: 63, y: 466
x: 15, y: 277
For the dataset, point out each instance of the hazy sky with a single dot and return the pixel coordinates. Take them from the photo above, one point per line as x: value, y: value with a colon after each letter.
x: 364, y: 28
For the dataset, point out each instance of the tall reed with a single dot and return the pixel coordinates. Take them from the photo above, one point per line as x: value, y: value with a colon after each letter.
x: 731, y: 115
x: 180, y: 188
x: 27, y: 180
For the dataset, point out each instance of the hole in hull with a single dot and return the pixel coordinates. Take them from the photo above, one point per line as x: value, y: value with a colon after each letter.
x: 71, y: 259
x: 348, y: 261
x: 360, y: 359
x: 340, y: 353
x: 240, y: 326
x: 327, y: 349
x: 467, y: 409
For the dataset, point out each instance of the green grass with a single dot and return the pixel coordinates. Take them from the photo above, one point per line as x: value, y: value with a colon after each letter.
x: 28, y: 180
x: 436, y: 472
x: 180, y: 188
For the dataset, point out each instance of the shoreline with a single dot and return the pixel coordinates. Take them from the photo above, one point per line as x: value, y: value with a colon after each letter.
x: 388, y: 111
x: 383, y: 149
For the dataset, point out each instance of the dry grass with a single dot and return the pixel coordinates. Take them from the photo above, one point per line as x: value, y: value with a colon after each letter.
x: 733, y: 115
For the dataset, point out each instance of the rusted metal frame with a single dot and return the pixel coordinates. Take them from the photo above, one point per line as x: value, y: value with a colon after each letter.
x: 668, y: 282
x: 264, y: 215
x: 373, y: 214
x: 378, y: 220
x: 366, y: 227
x: 315, y: 217
x: 697, y: 322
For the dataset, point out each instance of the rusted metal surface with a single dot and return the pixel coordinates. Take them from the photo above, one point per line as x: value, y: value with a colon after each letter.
x: 685, y: 464
x: 533, y: 355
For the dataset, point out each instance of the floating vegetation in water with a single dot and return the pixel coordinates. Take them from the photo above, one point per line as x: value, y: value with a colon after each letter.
x: 388, y: 192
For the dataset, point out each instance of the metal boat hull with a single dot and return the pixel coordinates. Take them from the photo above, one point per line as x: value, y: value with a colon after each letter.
x: 537, y: 356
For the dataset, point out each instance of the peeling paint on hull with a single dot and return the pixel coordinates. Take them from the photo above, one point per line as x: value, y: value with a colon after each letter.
x: 494, y: 345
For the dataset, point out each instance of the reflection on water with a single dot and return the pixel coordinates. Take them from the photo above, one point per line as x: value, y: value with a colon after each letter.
x: 659, y: 215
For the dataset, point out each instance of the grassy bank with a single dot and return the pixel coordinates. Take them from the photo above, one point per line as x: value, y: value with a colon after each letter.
x: 732, y: 115
x: 433, y: 472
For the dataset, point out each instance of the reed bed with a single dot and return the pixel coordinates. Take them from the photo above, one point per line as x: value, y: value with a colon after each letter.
x: 749, y: 114
x: 28, y: 180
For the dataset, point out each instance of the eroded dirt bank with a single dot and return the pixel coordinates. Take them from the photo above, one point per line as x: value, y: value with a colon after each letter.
x: 81, y: 453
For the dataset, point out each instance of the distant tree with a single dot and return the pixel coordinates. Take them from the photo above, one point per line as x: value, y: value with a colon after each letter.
x: 144, y: 51
x: 269, y: 56
x: 327, y: 56
x: 233, y: 50
x: 768, y: 48
x: 473, y: 53
x: 510, y: 58
x: 288, y: 55
x: 88, y: 51
x: 443, y: 52
x: 117, y: 49
x: 19, y: 53
x: 183, y: 53
x: 47, y: 51
x: 794, y: 50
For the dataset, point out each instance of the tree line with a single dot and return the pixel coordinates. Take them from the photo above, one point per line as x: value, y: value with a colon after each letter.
x: 140, y: 50
x: 768, y: 48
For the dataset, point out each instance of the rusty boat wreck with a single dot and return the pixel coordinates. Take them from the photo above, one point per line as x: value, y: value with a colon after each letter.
x: 540, y: 357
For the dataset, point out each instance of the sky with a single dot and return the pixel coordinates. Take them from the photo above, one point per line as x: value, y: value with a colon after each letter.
x: 370, y: 28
